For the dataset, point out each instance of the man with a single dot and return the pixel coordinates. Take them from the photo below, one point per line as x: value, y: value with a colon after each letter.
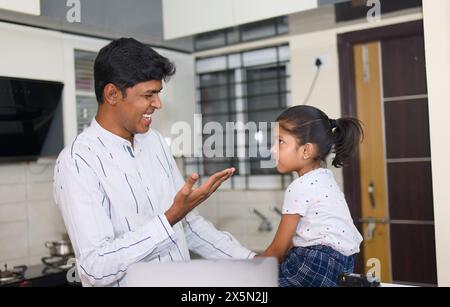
x: 120, y: 193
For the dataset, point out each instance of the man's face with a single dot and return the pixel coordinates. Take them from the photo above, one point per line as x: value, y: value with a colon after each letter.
x: 135, y: 110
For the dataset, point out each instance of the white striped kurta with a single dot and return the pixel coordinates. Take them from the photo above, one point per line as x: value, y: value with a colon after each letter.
x: 113, y: 197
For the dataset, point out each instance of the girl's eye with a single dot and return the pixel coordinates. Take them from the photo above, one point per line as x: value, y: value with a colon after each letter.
x: 280, y: 141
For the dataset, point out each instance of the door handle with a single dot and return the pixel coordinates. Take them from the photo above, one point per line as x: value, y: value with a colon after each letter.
x: 370, y: 231
x: 372, y: 223
x: 371, y: 191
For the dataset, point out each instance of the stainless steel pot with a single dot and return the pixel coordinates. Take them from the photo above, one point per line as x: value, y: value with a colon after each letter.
x: 59, y: 248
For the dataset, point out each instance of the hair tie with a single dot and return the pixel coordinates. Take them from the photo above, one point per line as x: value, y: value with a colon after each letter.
x: 333, y: 124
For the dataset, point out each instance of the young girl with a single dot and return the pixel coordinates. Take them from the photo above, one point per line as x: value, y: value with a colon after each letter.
x: 316, y: 239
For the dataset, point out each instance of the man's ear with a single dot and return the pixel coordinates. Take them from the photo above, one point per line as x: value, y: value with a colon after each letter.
x: 111, y: 94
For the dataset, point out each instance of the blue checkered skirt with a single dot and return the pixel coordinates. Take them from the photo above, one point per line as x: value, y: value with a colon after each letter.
x: 315, y: 266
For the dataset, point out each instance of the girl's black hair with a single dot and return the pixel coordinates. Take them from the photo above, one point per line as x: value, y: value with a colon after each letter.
x: 310, y: 125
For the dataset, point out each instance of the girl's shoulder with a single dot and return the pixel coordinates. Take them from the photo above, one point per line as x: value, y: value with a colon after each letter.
x: 312, y: 179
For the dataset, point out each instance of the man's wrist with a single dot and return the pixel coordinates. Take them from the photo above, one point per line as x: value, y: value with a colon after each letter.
x: 172, y: 217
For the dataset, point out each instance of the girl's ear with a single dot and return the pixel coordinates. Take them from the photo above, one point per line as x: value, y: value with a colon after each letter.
x: 308, y: 151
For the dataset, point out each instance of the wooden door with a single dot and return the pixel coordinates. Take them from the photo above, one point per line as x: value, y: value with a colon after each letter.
x: 389, y: 184
x: 374, y: 205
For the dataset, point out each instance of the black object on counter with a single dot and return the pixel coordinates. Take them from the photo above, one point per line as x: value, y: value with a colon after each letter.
x: 357, y: 281
x: 37, y: 276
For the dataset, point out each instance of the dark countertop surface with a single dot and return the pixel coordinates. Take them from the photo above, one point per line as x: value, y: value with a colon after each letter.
x: 42, y: 276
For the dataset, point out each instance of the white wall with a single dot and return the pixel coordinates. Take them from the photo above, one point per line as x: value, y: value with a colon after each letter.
x: 31, y: 53
x: 245, y: 11
x: 437, y: 48
x: 184, y: 18
x: 23, y: 6
x: 178, y: 98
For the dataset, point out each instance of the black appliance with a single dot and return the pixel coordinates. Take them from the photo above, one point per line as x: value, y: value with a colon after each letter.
x: 30, y: 119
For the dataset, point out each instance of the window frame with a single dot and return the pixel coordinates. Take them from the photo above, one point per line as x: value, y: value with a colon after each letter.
x: 240, y: 113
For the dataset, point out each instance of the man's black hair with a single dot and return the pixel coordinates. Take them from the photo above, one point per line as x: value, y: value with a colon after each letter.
x: 126, y: 62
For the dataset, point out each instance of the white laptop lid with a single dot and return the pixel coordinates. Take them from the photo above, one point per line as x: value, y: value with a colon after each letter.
x: 258, y: 272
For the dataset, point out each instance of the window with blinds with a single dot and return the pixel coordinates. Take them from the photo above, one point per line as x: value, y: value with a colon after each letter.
x: 247, y: 87
x: 84, y: 85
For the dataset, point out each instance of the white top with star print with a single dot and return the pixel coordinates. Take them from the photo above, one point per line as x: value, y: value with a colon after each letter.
x: 326, y: 218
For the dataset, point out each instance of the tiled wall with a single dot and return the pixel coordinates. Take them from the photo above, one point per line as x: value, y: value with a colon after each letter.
x: 232, y: 211
x: 28, y: 214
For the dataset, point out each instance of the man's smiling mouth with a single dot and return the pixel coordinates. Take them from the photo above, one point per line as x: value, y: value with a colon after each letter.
x: 147, y: 119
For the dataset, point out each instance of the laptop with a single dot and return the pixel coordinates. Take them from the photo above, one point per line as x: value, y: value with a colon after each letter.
x: 258, y: 272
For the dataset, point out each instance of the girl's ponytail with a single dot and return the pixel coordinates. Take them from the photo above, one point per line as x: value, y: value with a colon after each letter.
x: 347, y: 135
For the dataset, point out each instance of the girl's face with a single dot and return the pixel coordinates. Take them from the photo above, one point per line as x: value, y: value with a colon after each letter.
x: 290, y: 156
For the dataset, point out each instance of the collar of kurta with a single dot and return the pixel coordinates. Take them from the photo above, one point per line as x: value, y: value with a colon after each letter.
x: 114, y: 138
